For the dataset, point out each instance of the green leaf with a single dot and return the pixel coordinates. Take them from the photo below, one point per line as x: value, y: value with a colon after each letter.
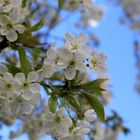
x: 52, y: 103
x: 61, y: 3
x: 96, y: 105
x: 26, y: 66
x: 35, y: 53
x: 28, y: 40
x: 13, y: 69
x: 93, y: 86
x: 73, y: 101
x: 37, y: 26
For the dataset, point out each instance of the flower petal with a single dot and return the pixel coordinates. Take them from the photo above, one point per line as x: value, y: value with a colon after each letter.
x: 12, y: 35
x: 70, y: 73
x: 20, y: 77
x: 32, y: 76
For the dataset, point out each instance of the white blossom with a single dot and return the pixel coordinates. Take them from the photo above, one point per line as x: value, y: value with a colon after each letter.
x: 97, y: 62
x: 77, y: 44
x: 53, y: 57
x: 26, y: 87
x: 46, y: 72
x: 60, y: 123
x: 78, y: 132
x: 71, y: 63
x: 21, y: 106
x: 8, y: 5
x: 6, y: 83
x: 9, y: 27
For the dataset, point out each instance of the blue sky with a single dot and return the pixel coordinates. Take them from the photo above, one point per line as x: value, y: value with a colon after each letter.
x: 117, y: 43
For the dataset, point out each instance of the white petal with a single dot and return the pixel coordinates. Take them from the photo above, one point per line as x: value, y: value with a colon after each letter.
x: 51, y: 53
x: 20, y: 77
x: 86, y: 130
x: 82, y: 38
x: 48, y: 71
x: 19, y: 28
x: 15, y: 108
x: 35, y: 87
x: 65, y: 55
x: 27, y: 109
x: 3, y: 69
x: 80, y: 66
x: 7, y: 8
x: 16, y: 3
x: 67, y: 121
x: 12, y: 35
x: 79, y: 57
x: 4, y: 20
x: 28, y: 95
x: 32, y: 76
x: 48, y: 61
x: 70, y: 73
x: 69, y: 37
x: 60, y: 112
x: 18, y: 88
x: 4, y: 30
x: 8, y: 77
x: 90, y: 115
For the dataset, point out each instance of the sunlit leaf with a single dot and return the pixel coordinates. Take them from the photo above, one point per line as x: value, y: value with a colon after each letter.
x: 96, y: 105
x: 25, y: 64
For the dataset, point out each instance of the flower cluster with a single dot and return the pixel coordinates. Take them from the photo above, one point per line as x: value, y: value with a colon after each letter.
x: 18, y: 94
x: 12, y: 17
x: 75, y: 57
x: 58, y: 125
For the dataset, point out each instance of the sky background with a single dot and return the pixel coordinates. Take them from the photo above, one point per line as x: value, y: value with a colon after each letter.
x: 117, y: 43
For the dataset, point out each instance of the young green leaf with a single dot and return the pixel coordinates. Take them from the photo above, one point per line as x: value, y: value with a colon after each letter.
x: 93, y: 86
x: 37, y: 26
x: 96, y: 105
x: 29, y: 41
x: 13, y: 69
x: 25, y: 64
x: 52, y: 103
x: 73, y: 101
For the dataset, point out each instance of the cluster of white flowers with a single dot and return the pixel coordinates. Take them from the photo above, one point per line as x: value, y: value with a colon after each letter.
x: 18, y: 94
x: 12, y: 16
x: 58, y: 125
x: 74, y: 57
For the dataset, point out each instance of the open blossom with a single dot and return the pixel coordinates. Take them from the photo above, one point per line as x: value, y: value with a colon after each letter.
x: 60, y: 123
x: 8, y: 5
x: 21, y: 106
x: 72, y: 63
x: 26, y: 86
x: 53, y: 57
x: 6, y: 83
x: 46, y: 72
x: 97, y: 62
x: 78, y: 132
x: 11, y: 19
x: 76, y: 44
x: 9, y: 27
